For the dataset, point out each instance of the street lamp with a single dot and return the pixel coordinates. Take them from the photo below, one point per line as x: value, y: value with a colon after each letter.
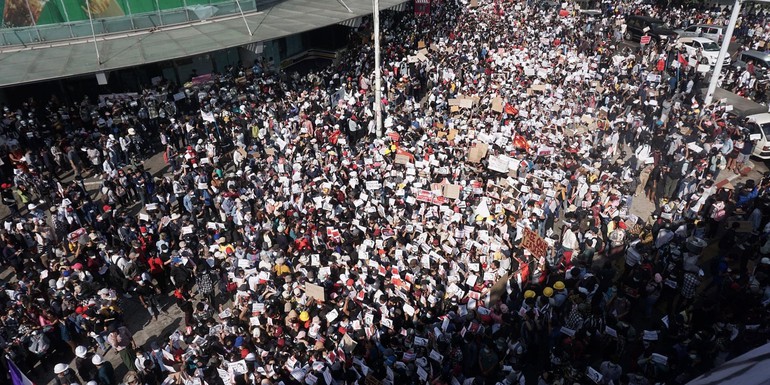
x: 723, y: 52
x: 377, y: 71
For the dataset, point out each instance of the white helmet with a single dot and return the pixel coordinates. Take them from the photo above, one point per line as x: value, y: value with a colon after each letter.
x: 60, y: 368
x: 97, y: 359
x: 81, y: 351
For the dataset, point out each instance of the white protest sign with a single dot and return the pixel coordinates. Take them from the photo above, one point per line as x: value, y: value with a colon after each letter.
x: 650, y: 335
x: 373, y: 185
x: 238, y: 367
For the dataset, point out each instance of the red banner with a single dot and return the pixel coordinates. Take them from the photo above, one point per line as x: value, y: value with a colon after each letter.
x: 422, y: 7
x: 428, y: 197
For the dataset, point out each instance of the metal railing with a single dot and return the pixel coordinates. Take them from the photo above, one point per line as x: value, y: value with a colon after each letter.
x: 163, y: 13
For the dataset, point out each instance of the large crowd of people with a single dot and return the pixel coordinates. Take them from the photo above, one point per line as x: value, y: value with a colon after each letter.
x: 486, y: 236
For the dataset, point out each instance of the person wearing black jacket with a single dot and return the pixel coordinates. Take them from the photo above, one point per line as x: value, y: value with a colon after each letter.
x: 672, y: 177
x: 64, y: 375
x: 85, y: 368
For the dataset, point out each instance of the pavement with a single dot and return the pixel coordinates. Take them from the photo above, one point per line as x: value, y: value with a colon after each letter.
x: 643, y: 207
x: 136, y: 318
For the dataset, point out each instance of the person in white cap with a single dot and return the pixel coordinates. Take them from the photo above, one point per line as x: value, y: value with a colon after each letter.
x: 64, y: 376
x: 85, y: 368
x: 106, y: 373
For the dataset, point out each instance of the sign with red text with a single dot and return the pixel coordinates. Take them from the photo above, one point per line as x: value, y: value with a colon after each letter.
x: 532, y: 242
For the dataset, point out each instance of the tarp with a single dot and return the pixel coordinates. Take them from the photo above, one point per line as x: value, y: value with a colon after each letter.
x: 748, y: 369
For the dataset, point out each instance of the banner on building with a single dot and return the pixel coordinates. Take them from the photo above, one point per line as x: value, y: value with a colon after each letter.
x: 422, y: 7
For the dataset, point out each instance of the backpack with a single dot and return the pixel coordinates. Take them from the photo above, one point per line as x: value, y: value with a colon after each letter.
x: 718, y: 211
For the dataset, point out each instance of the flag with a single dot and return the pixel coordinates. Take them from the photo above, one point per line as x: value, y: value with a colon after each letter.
x: 682, y: 60
x: 17, y: 377
x: 520, y: 142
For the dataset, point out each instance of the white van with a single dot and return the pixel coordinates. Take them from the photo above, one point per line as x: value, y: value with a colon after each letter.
x: 759, y: 129
x: 713, y: 32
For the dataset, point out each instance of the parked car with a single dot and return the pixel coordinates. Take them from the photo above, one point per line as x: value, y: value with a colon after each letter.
x: 761, y: 62
x: 759, y: 130
x: 638, y: 26
x: 709, y: 50
x: 709, y: 31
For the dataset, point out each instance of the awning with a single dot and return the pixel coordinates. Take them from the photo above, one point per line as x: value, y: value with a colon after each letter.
x: 748, y: 369
x: 400, y: 7
x: 19, y: 65
x: 352, y: 23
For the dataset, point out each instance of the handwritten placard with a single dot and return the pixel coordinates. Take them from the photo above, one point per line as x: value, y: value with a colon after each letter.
x: 532, y: 242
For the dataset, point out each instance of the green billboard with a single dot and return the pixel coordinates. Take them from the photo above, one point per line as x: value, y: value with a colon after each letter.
x: 24, y: 13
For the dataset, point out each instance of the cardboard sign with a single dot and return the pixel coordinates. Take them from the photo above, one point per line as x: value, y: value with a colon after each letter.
x: 497, y: 290
x: 315, y: 291
x: 497, y: 105
x: 478, y: 152
x: 451, y: 191
x: 645, y: 40
x: 420, y: 44
x: 532, y: 242
x: 462, y: 103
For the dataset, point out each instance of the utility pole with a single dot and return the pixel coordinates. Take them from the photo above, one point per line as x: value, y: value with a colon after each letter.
x: 377, y: 71
x: 722, y: 53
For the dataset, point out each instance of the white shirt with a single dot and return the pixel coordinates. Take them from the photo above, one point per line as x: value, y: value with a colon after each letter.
x: 569, y: 240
